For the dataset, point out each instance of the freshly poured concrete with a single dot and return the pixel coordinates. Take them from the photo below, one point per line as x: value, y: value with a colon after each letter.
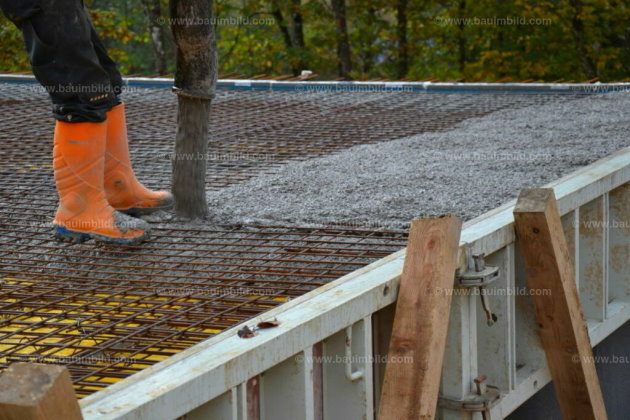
x: 475, y: 167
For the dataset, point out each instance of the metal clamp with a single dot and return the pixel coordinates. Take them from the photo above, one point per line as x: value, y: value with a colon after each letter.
x: 204, y: 96
x: 479, y: 275
x: 485, y: 397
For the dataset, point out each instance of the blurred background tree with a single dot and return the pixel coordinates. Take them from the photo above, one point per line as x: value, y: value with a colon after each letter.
x: 547, y: 40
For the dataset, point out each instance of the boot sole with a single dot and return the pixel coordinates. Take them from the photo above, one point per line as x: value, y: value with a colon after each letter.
x: 66, y: 235
x: 144, y: 211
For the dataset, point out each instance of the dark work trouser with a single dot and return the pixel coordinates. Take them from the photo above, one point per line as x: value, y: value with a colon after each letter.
x: 67, y: 57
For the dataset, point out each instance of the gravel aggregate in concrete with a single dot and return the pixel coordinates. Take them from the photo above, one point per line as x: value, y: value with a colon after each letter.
x: 475, y: 167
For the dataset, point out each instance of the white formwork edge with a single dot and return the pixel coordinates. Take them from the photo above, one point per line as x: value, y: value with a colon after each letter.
x: 421, y: 86
x: 203, y: 372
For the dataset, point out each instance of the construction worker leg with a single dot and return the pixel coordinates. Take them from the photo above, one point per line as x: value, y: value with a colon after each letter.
x: 58, y: 39
x: 84, y: 212
x: 106, y: 61
x: 124, y: 192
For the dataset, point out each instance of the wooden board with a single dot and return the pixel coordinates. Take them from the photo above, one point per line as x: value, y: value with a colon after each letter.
x: 563, y: 330
x: 416, y: 350
x: 37, y: 392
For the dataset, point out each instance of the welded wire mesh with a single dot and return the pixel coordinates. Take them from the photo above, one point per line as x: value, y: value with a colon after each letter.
x: 107, y: 312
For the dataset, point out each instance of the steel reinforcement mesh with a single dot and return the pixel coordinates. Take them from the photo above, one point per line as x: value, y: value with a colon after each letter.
x: 107, y: 312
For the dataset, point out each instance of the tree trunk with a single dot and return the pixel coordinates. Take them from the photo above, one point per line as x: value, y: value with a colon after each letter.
x: 626, y: 47
x: 403, y: 46
x: 292, y: 32
x: 279, y: 18
x: 298, y: 33
x: 154, y: 13
x: 461, y: 38
x: 195, y: 82
x: 343, y: 42
x: 579, y: 33
x: 286, y: 34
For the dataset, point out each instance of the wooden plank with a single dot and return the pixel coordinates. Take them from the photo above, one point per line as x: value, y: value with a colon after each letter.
x: 31, y: 391
x: 416, y: 350
x: 561, y: 323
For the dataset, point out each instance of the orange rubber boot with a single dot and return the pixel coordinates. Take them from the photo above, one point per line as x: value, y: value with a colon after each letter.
x: 84, y: 213
x: 124, y: 192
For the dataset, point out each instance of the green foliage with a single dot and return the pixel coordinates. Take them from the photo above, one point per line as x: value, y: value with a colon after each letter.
x: 248, y: 41
x: 542, y: 40
x: 12, y: 55
x: 372, y: 37
x: 123, y: 28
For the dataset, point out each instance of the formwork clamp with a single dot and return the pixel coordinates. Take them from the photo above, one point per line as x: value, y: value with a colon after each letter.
x: 478, y: 276
x: 485, y: 397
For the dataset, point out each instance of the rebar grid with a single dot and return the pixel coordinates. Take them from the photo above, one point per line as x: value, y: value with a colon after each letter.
x: 108, y: 312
